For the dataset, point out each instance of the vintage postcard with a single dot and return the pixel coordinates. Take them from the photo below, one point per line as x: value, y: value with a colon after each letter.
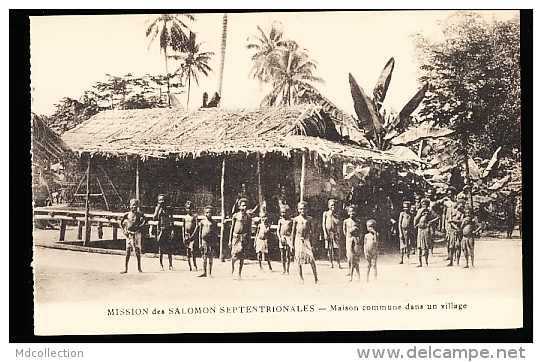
x: 256, y: 172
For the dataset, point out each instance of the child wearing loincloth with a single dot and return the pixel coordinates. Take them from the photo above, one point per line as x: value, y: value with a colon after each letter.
x: 239, y: 236
x: 303, y: 234
x: 164, y: 230
x: 132, y: 224
x: 469, y: 229
x: 284, y: 235
x: 370, y: 247
x: 423, y: 221
x: 261, y: 240
x: 354, y: 247
x: 190, y: 223
x: 331, y: 229
x: 454, y: 233
x: 406, y: 231
x: 208, y: 240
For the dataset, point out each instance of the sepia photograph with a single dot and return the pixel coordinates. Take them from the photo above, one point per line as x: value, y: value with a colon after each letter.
x: 276, y: 172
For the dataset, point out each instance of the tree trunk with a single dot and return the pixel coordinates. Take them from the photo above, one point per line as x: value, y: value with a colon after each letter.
x: 188, y: 94
x: 223, y: 52
x: 167, y: 77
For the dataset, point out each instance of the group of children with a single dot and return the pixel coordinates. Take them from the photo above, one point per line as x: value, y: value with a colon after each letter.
x: 417, y: 230
x: 204, y: 233
x: 296, y: 236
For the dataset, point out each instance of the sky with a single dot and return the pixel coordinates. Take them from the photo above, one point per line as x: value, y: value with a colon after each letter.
x: 69, y: 54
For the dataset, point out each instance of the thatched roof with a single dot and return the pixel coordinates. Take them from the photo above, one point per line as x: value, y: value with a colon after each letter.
x: 166, y: 132
x: 46, y: 144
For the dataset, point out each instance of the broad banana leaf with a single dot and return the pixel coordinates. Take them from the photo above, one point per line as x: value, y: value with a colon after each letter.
x: 382, y: 84
x: 404, y: 115
x: 404, y: 153
x: 365, y: 108
x: 492, y: 162
x: 344, y: 123
x: 482, y: 199
x: 432, y: 171
x: 417, y: 133
x: 440, y: 185
x: 499, y: 183
x: 474, y: 171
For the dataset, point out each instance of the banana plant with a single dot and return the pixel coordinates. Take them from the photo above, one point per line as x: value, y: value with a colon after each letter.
x: 391, y: 132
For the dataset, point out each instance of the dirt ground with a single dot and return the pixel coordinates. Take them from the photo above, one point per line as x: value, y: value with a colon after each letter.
x: 62, y: 275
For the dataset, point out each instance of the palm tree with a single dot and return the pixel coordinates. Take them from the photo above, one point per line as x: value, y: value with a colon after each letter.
x: 290, y: 70
x: 172, y: 33
x: 264, y: 45
x: 193, y: 63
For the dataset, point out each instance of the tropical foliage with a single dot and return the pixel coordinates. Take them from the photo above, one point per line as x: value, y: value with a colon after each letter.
x: 286, y: 66
x: 389, y: 131
x: 172, y: 32
x: 193, y: 62
x: 474, y: 76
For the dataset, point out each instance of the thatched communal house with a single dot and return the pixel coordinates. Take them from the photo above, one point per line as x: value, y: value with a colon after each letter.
x: 204, y: 155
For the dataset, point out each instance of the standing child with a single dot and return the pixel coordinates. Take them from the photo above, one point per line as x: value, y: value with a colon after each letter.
x: 423, y: 221
x: 469, y: 228
x: 454, y: 233
x: 164, y: 230
x: 190, y: 223
x: 331, y: 227
x: 132, y: 224
x: 406, y: 231
x: 370, y: 246
x: 241, y: 226
x: 208, y: 240
x: 284, y: 234
x: 260, y: 242
x: 303, y: 234
x: 352, y: 232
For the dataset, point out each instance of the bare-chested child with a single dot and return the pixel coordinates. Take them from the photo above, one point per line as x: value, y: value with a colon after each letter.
x: 208, y: 240
x: 303, y: 234
x: 454, y: 233
x: 261, y: 240
x: 354, y: 248
x: 331, y: 226
x: 370, y: 247
x: 190, y: 223
x: 164, y: 230
x: 241, y: 227
x: 406, y: 231
x: 132, y: 224
x: 469, y: 228
x: 423, y: 220
x: 284, y: 235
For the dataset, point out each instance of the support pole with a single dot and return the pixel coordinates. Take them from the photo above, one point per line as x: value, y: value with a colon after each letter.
x: 79, y: 230
x: 222, y: 209
x: 87, y: 207
x: 115, y: 231
x: 258, y: 171
x: 137, y: 180
x: 302, y: 182
x: 62, y: 230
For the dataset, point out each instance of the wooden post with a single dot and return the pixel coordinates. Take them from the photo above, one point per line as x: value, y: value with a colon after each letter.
x: 79, y: 230
x: 100, y: 231
x: 87, y: 207
x: 302, y: 182
x: 137, y: 180
x: 115, y: 231
x: 222, y: 209
x: 258, y: 171
x: 62, y: 230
